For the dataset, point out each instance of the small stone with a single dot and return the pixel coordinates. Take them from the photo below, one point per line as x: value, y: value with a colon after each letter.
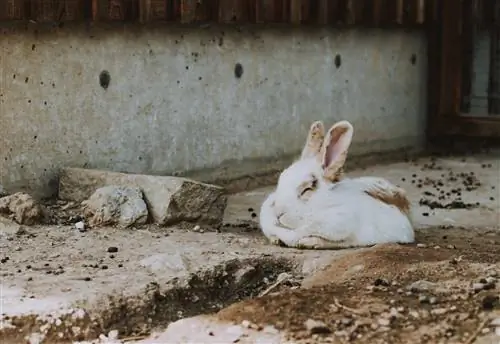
x: 270, y: 330
x: 196, y: 228
x: 485, y: 330
x: 422, y: 286
x: 116, y: 205
x: 381, y: 282
x: 477, y: 287
x: 495, y: 322
x: 421, y: 245
x: 113, y: 334
x: 315, y: 326
x: 246, y: 324
x: 80, y: 226
x: 439, y: 311
x: 384, y: 322
x: 22, y: 208
x: 112, y: 249
x: 433, y: 300
x: 490, y: 302
x: 423, y: 299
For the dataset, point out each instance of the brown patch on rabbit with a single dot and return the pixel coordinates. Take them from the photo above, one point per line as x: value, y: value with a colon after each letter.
x: 397, y: 198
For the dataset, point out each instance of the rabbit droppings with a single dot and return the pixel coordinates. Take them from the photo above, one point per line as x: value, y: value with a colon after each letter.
x: 314, y: 206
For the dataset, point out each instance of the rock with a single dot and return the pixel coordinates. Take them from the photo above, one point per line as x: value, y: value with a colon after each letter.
x: 116, y: 205
x: 316, y: 326
x: 80, y: 226
x: 422, y: 286
x: 22, y: 208
x: 170, y: 199
x: 9, y: 228
x: 167, y: 263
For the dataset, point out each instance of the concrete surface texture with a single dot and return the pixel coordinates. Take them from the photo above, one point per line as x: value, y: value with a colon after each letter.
x: 60, y: 284
x: 174, y: 103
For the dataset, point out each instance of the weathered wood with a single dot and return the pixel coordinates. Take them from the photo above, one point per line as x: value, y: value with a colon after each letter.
x: 188, y: 11
x: 295, y: 11
x: 12, y: 10
x: 144, y: 11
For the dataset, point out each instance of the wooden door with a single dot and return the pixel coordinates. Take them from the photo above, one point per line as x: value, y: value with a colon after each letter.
x: 464, y: 69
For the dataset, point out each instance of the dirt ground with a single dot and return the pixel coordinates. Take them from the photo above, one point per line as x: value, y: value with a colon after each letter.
x: 446, y: 291
x: 178, y: 285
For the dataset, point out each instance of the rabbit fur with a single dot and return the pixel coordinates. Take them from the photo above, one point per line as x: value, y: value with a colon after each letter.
x: 314, y: 206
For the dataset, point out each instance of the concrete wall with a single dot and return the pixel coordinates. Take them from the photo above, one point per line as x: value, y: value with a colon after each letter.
x: 175, y: 105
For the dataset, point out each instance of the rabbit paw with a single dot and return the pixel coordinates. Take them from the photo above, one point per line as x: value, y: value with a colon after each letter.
x: 312, y: 243
x: 274, y: 240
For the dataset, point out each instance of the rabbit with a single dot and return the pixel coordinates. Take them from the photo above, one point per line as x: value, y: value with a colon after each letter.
x: 315, y: 207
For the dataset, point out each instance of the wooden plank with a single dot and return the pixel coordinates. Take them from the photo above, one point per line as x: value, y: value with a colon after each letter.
x: 468, y: 52
x: 43, y: 11
x: 451, y: 61
x: 295, y: 11
x: 70, y: 10
x: 12, y: 10
x: 377, y: 12
x: 420, y: 11
x: 145, y: 11
x: 116, y: 10
x: 95, y: 10
x: 153, y: 11
x: 399, y: 12
x: 433, y: 30
x: 233, y: 11
x: 188, y: 11
x: 471, y: 126
x: 266, y: 10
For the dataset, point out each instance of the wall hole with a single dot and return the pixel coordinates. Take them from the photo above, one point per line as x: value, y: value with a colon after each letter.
x: 238, y: 70
x: 337, y: 61
x: 104, y: 79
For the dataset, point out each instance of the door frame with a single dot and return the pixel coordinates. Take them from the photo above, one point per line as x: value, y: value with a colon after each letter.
x: 449, y: 34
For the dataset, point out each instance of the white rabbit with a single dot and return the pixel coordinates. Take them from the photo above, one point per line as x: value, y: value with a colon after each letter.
x: 314, y: 206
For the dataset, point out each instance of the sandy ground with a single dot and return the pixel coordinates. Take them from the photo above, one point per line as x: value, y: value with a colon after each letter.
x: 135, y: 281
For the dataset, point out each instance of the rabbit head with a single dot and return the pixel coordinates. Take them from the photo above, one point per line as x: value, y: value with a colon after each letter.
x: 320, y: 164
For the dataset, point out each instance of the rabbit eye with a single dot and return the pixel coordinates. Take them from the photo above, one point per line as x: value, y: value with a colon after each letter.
x: 309, y: 187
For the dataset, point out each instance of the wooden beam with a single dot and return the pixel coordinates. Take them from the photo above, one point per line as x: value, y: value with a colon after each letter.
x: 295, y: 11
x: 144, y: 11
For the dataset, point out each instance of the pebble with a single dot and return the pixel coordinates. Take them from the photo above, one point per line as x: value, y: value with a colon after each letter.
x: 439, y: 311
x: 113, y: 334
x: 246, y: 324
x: 269, y: 329
x: 422, y: 285
x: 316, y: 326
x: 80, y: 226
x: 478, y: 286
x: 112, y: 249
x: 384, y: 322
x: 421, y: 245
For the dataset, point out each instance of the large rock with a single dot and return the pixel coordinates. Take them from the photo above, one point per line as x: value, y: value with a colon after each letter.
x: 22, y: 208
x: 116, y: 205
x: 170, y: 199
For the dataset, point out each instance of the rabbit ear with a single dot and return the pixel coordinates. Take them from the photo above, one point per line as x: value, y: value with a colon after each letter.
x: 334, y: 150
x: 314, y: 140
